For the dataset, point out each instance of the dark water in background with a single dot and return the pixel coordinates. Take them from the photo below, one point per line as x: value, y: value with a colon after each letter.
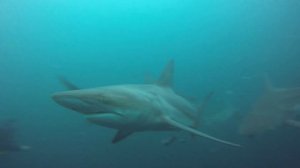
x: 223, y: 46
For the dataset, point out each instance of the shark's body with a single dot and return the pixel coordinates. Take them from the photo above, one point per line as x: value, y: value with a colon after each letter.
x: 135, y: 108
x: 275, y: 108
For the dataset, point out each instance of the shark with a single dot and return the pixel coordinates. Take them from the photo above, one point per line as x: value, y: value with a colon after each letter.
x: 131, y: 108
x: 275, y: 108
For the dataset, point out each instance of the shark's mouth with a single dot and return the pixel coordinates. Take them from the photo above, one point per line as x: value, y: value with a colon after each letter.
x: 102, y: 115
x: 105, y: 119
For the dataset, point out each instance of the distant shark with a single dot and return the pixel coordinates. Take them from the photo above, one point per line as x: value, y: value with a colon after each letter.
x: 276, y: 107
x: 135, y: 108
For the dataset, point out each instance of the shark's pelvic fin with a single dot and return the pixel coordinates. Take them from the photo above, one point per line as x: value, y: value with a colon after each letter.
x: 166, y: 77
x: 120, y: 135
x: 196, y: 132
x: 67, y: 84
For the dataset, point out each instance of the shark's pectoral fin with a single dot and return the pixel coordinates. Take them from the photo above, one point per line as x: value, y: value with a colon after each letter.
x: 120, y: 135
x: 196, y: 132
x: 293, y: 123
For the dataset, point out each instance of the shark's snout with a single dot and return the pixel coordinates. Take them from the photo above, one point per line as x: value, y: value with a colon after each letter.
x: 70, y: 102
x: 95, y: 110
x: 66, y: 101
x: 78, y: 103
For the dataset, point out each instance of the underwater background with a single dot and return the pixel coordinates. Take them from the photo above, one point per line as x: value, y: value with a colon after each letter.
x: 220, y: 46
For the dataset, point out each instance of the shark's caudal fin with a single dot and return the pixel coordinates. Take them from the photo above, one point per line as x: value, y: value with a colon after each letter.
x: 196, y: 132
x: 67, y: 84
x: 166, y: 77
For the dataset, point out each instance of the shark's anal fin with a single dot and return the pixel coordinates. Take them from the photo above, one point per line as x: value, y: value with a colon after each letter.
x: 196, y: 132
x: 293, y: 123
x: 121, y: 135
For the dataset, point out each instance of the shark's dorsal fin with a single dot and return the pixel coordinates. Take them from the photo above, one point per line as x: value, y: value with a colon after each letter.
x: 67, y: 84
x: 196, y: 132
x: 120, y: 135
x: 166, y: 77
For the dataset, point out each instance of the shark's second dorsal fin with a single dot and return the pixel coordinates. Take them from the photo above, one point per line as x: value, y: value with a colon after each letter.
x: 166, y: 77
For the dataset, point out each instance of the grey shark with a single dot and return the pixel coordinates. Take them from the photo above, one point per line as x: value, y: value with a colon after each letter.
x: 134, y: 108
x: 275, y: 108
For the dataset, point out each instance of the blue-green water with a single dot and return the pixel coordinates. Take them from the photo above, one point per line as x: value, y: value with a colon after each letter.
x: 221, y: 46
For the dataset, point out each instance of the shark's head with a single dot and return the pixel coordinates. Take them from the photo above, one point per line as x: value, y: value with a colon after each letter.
x: 108, y: 106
